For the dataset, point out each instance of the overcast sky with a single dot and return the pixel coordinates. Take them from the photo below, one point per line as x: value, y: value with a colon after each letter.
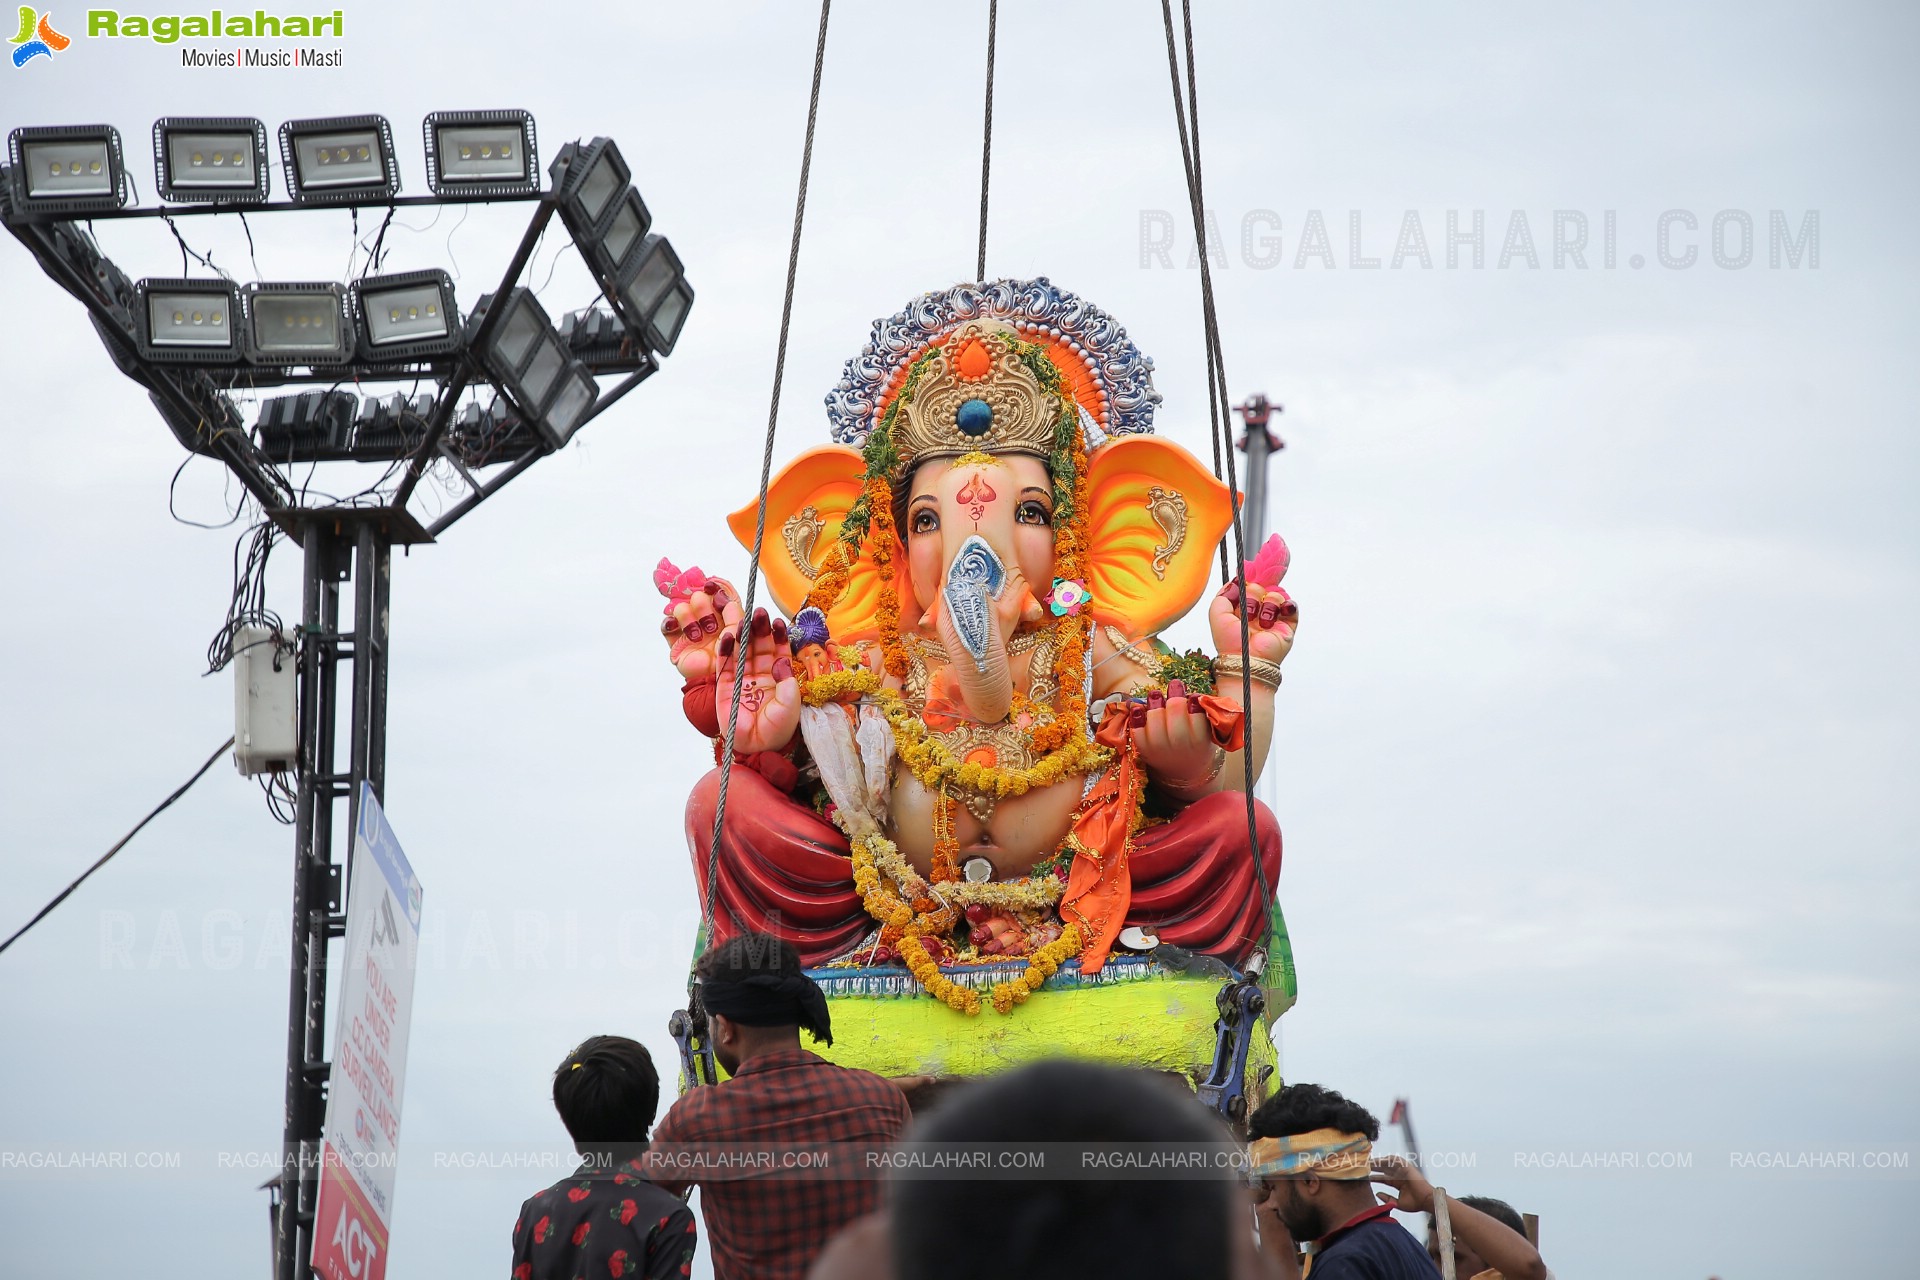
x: 1590, y: 750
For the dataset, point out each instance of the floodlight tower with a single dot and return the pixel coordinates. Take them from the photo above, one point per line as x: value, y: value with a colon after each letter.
x: 1259, y: 444
x: 192, y: 341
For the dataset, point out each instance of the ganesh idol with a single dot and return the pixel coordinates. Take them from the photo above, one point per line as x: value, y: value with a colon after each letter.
x: 966, y: 744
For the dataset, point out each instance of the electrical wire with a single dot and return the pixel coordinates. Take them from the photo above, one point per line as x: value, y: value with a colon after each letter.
x: 247, y: 606
x: 120, y: 844
x: 173, y: 483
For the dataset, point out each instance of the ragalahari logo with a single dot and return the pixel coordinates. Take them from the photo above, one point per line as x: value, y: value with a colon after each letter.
x: 37, y: 37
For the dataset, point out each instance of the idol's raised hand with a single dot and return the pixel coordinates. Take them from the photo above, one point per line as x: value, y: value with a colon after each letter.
x: 769, y: 695
x: 1271, y: 614
x: 699, y: 610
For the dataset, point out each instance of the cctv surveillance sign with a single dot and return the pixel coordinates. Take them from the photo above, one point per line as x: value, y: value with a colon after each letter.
x: 362, y: 1130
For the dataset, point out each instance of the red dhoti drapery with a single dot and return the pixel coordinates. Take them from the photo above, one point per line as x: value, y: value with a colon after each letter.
x: 787, y: 871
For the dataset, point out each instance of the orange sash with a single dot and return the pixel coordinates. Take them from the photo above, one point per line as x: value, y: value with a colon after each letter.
x: 1099, y: 886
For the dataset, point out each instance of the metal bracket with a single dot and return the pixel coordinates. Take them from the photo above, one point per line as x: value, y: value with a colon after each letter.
x: 1240, y: 1002
x: 688, y: 1027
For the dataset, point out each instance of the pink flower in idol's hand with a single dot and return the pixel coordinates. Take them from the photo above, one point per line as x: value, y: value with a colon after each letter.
x: 1269, y: 564
x: 1068, y: 598
x: 676, y: 584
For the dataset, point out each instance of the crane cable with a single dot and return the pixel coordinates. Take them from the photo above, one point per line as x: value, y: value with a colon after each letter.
x: 1183, y: 112
x: 986, y: 140
x: 766, y: 474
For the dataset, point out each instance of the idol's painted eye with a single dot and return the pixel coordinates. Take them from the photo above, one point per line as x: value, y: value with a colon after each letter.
x: 1033, y: 512
x: 925, y: 520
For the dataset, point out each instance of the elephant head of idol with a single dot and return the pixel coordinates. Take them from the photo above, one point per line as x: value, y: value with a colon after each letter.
x: 985, y: 501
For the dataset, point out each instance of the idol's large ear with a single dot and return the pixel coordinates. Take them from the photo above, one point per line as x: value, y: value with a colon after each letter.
x: 806, y: 505
x: 1155, y: 522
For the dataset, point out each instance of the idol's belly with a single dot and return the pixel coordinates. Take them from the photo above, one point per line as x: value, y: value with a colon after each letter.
x: 1020, y: 833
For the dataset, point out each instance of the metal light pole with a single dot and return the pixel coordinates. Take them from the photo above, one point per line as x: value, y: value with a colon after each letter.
x: 352, y: 544
x: 1259, y: 444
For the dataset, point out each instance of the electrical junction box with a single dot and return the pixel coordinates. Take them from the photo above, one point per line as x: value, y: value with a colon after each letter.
x: 266, y: 716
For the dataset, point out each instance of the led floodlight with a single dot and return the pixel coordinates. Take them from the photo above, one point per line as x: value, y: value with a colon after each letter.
x: 210, y: 159
x: 589, y: 178
x: 532, y: 363
x: 525, y: 353
x: 608, y: 250
x: 653, y: 294
x: 662, y: 328
x: 297, y: 324
x: 339, y: 160
x: 481, y: 152
x: 406, y: 317
x: 187, y: 320
x: 575, y: 395
x: 66, y: 170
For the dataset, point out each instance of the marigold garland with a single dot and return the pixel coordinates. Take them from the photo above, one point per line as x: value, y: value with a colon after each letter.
x: 1040, y: 966
x: 888, y: 908
x: 1069, y: 557
x: 935, y: 764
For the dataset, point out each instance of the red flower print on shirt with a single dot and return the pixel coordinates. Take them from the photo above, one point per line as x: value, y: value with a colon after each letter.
x: 617, y: 1264
x: 627, y: 1211
x: 580, y: 1232
x: 523, y: 1272
x: 579, y: 1193
x: 541, y: 1229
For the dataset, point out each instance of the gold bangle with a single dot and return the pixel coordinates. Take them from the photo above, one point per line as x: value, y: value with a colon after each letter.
x: 1263, y: 672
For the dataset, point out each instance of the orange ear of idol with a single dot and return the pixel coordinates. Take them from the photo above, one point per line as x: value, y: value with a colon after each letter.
x: 1155, y: 520
x: 807, y: 503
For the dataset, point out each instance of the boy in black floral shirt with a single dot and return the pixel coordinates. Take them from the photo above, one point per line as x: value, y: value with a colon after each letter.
x: 606, y: 1220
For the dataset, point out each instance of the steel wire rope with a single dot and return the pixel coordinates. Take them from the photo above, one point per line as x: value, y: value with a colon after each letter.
x: 986, y: 140
x: 766, y: 474
x: 1216, y: 401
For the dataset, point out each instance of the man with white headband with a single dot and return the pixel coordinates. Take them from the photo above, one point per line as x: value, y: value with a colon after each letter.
x: 1311, y: 1152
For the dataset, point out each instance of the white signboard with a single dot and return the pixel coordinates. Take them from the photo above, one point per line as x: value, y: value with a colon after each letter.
x: 362, y: 1130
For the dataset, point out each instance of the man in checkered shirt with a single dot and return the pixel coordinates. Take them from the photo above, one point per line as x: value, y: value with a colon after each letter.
x: 770, y: 1223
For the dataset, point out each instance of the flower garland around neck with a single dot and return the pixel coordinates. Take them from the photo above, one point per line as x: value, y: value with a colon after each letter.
x: 934, y: 763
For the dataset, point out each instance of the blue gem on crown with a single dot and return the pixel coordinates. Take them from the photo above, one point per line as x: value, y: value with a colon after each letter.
x: 974, y: 417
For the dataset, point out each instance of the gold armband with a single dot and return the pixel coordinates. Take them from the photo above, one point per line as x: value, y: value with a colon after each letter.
x: 1228, y: 667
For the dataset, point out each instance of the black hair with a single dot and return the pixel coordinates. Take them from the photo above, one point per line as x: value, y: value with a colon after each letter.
x: 746, y: 954
x: 1499, y: 1210
x: 1302, y: 1108
x: 765, y: 975
x: 607, y: 1091
x: 1171, y: 1230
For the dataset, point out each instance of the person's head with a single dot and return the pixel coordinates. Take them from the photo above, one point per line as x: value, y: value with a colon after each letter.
x: 757, y: 999
x: 1070, y: 1226
x: 1466, y: 1262
x: 606, y: 1092
x: 1312, y: 1202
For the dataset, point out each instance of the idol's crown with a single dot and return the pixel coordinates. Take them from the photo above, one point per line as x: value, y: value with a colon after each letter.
x: 977, y: 394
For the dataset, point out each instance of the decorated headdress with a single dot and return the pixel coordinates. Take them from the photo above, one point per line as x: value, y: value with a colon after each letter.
x: 980, y: 390
x: 809, y: 626
x: 1014, y: 366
